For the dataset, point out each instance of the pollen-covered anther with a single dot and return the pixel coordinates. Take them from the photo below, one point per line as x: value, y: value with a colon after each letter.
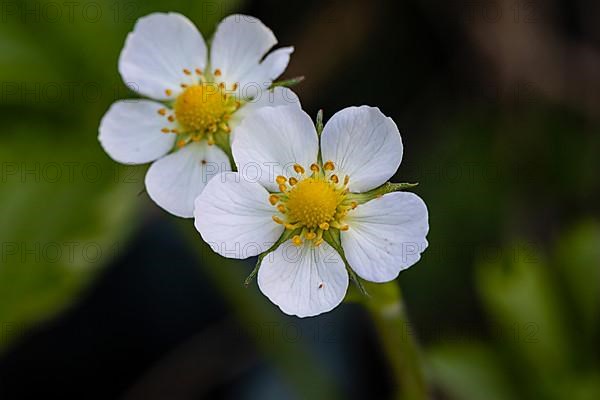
x: 315, y: 168
x: 281, y: 180
x: 297, y: 240
x: 324, y: 226
x: 293, y: 181
x: 218, y: 72
x: 329, y: 166
x: 273, y: 199
x: 168, y: 92
x: 335, y: 179
x: 298, y: 168
x: 162, y: 111
x: 187, y: 71
x: 278, y: 220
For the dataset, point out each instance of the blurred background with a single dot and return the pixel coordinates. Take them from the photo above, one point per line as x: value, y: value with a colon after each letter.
x: 104, y: 296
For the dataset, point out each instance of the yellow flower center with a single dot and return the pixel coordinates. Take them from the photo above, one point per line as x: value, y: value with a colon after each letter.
x: 313, y: 201
x: 202, y: 110
x: 312, y: 204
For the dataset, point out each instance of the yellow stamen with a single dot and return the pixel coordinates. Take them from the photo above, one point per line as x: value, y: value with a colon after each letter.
x: 293, y: 181
x: 273, y: 199
x: 218, y: 72
x: 298, y: 168
x: 297, y: 240
x: 329, y: 166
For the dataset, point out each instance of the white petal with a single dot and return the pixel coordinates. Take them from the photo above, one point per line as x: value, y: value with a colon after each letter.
x: 271, y: 140
x: 239, y: 45
x: 234, y: 217
x: 279, y: 96
x: 257, y: 81
x: 160, y: 47
x: 174, y: 181
x: 364, y: 144
x: 130, y: 132
x: 386, y: 236
x: 303, y: 281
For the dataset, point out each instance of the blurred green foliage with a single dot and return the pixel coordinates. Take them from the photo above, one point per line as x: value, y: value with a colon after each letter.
x: 543, y: 317
x: 66, y: 208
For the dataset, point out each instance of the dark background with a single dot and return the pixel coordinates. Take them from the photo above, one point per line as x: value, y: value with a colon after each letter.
x: 498, y: 103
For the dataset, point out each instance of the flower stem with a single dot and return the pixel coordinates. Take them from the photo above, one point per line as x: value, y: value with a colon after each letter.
x: 387, y: 310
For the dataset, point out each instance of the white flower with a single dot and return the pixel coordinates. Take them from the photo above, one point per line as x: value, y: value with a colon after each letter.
x: 199, y: 99
x: 284, y: 188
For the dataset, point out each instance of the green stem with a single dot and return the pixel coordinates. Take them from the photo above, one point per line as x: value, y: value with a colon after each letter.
x: 389, y: 316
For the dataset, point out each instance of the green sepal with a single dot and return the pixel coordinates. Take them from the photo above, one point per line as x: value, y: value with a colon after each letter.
x: 319, y: 126
x: 222, y: 140
x: 287, y: 83
x: 332, y: 237
x: 287, y: 234
x: 388, y: 187
x: 319, y: 122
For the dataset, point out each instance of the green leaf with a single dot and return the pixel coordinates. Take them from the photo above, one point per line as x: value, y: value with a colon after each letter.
x: 67, y: 211
x: 522, y: 300
x: 578, y: 258
x: 470, y: 371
